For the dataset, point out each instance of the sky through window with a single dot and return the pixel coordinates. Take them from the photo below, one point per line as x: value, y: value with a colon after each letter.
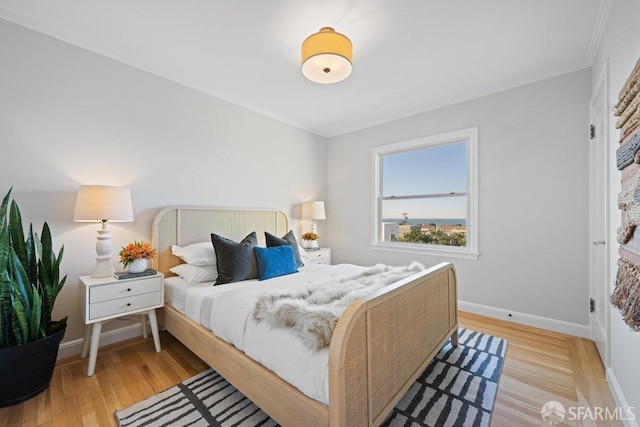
x: 433, y: 170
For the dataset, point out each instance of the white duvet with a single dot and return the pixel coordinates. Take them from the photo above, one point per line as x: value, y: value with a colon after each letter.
x: 226, y: 310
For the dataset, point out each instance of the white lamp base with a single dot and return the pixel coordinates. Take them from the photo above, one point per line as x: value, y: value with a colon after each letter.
x: 104, y: 267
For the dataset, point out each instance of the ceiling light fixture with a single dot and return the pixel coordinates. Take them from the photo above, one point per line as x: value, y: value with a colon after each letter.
x: 326, y: 56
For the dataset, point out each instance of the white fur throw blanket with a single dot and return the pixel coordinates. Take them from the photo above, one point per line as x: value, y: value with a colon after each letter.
x: 313, y: 311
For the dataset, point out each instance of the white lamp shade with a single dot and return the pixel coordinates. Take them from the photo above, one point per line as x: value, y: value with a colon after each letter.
x: 326, y: 68
x: 103, y: 203
x: 313, y: 210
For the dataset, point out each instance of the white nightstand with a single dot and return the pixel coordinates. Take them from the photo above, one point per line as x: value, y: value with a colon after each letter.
x: 107, y: 298
x: 320, y: 256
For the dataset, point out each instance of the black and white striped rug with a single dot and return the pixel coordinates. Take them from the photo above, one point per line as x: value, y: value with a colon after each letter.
x: 458, y: 388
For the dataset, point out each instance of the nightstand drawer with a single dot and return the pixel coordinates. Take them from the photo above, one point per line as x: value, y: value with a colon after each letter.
x: 123, y: 305
x: 124, y: 289
x: 320, y: 256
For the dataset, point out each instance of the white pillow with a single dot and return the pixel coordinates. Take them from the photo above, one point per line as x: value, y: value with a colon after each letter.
x: 193, y: 274
x: 198, y: 254
x: 304, y: 256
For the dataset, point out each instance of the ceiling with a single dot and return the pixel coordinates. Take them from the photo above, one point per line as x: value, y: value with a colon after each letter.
x: 408, y: 57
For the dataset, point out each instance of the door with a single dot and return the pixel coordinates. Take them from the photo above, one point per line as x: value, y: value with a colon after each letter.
x: 598, y: 217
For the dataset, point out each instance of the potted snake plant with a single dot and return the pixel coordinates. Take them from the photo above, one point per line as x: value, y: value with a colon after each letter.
x: 29, y: 284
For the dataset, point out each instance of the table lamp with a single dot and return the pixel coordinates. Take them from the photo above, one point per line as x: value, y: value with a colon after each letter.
x: 313, y: 211
x: 103, y: 203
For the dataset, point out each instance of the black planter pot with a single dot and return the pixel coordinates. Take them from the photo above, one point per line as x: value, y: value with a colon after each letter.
x: 26, y: 370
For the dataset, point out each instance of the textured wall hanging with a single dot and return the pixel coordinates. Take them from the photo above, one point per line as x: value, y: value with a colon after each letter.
x: 626, y: 295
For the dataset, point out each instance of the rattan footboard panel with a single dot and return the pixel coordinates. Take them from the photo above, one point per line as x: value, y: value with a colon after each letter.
x: 356, y: 373
x: 393, y: 335
x: 403, y: 332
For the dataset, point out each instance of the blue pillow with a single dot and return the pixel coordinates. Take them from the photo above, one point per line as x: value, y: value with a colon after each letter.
x: 287, y: 239
x: 275, y: 261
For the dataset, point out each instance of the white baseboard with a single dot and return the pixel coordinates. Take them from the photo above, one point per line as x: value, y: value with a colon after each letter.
x: 561, y: 326
x: 72, y: 348
x: 620, y: 399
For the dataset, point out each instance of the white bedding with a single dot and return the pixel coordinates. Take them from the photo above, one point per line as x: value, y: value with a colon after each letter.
x: 226, y: 310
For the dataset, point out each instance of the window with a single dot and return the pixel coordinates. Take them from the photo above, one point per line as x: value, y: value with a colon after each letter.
x: 425, y: 195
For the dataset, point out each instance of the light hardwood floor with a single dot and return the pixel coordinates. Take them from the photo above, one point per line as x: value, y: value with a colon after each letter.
x: 539, y: 366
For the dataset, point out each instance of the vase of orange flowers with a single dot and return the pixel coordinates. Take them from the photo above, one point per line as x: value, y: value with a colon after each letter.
x: 310, y: 240
x: 135, y: 256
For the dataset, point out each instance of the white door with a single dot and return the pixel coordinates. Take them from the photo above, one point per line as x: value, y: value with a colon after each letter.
x: 598, y: 218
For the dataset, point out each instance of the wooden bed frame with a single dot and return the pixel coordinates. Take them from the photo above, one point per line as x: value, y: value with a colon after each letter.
x: 379, y: 346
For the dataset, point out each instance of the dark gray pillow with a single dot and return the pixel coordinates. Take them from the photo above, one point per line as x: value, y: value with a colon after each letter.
x: 287, y: 239
x: 236, y: 261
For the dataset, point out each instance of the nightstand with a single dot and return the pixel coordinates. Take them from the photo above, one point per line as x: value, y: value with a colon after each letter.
x: 107, y: 298
x: 320, y: 256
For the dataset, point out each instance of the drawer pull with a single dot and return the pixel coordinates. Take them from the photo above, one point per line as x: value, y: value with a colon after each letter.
x: 128, y: 304
x: 128, y: 289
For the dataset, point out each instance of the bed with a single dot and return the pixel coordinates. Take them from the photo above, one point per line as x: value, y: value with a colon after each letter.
x: 379, y: 346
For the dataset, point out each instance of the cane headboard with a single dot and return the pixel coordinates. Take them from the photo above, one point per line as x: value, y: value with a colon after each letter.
x: 184, y: 225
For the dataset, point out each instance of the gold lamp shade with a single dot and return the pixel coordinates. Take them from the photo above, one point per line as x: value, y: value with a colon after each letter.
x: 327, y: 56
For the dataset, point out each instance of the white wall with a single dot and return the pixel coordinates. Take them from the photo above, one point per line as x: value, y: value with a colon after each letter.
x: 70, y: 117
x: 533, y: 199
x: 621, y: 45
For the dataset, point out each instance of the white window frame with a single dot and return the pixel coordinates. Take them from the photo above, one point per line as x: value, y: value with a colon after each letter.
x: 470, y: 136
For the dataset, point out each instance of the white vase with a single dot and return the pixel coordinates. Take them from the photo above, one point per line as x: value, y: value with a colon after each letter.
x: 311, y: 244
x: 138, y: 266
